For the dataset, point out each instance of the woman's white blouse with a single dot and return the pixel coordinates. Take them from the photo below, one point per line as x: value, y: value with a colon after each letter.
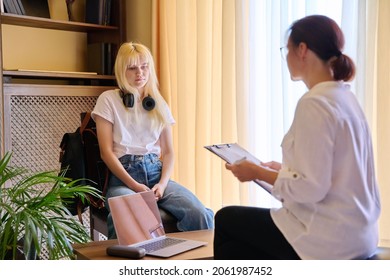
x: 327, y: 184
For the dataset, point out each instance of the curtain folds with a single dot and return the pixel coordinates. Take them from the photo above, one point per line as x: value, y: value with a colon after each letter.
x: 195, y: 45
x: 382, y: 96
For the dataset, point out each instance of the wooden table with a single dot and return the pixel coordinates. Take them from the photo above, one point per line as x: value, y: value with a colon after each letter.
x: 97, y: 250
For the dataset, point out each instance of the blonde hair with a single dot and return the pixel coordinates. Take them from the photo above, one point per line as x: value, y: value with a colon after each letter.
x: 131, y: 54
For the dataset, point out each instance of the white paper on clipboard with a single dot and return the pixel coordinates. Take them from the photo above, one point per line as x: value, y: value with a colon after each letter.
x: 232, y: 152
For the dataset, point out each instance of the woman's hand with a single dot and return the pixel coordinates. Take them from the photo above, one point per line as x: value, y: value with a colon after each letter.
x: 248, y: 171
x: 244, y: 170
x: 273, y: 165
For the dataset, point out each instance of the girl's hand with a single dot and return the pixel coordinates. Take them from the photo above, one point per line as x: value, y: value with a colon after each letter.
x: 141, y: 188
x: 158, y: 190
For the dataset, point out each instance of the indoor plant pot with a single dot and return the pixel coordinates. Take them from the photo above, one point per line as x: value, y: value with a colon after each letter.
x: 33, y: 213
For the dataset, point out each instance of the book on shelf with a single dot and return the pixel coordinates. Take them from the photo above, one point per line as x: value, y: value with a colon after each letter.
x: 98, y: 12
x: 35, y: 8
x: 21, y: 7
x: 12, y: 7
x: 7, y: 6
x: 100, y: 58
x: 58, y: 10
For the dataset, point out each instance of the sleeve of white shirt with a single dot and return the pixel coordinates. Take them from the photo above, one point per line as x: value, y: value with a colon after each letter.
x: 104, y: 106
x: 307, y: 148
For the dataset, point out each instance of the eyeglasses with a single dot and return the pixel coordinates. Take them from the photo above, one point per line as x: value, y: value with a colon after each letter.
x: 284, y: 52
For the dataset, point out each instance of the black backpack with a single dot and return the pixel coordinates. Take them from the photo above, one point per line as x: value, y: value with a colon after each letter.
x: 80, y: 159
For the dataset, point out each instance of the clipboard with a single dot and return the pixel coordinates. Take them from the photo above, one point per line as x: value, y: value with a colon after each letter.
x: 232, y: 152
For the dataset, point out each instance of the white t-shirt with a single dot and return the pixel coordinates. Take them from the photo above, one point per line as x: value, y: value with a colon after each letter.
x: 327, y: 183
x: 133, y: 131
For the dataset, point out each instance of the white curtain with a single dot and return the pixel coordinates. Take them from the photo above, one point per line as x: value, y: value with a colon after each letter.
x: 272, y: 94
x: 195, y: 43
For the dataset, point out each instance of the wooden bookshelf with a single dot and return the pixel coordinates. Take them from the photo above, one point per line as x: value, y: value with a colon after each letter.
x: 55, y: 75
x: 114, y: 34
x: 46, y: 23
x: 17, y: 84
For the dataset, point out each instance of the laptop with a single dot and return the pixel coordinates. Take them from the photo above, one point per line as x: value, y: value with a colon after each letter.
x: 137, y: 223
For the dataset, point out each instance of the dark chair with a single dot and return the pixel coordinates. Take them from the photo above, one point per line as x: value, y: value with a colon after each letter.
x: 97, y: 171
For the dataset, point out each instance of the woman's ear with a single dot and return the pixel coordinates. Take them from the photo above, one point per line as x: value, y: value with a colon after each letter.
x: 302, y: 50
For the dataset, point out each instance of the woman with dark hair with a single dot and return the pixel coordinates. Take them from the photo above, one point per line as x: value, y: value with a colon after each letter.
x: 134, y: 131
x: 326, y: 181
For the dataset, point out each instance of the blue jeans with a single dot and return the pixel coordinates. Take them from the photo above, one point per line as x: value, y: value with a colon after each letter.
x: 177, y: 200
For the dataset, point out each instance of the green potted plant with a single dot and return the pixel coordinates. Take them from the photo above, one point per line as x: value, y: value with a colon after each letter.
x: 33, y: 213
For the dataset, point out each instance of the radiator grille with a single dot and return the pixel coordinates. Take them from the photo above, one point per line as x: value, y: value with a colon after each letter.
x: 37, y: 125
